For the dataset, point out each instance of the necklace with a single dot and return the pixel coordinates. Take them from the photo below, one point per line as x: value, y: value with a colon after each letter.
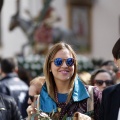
x: 61, y: 105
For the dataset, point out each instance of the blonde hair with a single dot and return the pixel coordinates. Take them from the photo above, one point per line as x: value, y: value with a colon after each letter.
x: 47, y: 66
x: 38, y: 82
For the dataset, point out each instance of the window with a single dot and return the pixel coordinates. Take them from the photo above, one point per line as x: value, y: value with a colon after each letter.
x: 79, y: 17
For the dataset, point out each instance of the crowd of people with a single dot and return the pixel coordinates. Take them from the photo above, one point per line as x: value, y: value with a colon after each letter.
x: 62, y: 93
x: 60, y: 89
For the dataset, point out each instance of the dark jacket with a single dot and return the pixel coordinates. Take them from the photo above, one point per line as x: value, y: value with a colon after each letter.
x: 110, y: 103
x: 8, y: 108
x: 11, y: 85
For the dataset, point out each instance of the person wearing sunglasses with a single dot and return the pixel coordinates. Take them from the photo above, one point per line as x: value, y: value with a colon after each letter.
x: 34, y: 90
x: 110, y: 103
x: 63, y: 92
x: 112, y: 68
x: 101, y: 78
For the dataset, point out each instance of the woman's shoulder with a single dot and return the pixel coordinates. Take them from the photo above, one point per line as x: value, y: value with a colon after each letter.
x: 97, y: 94
x: 92, y: 88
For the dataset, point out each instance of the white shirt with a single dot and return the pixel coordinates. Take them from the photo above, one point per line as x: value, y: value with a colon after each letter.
x: 118, y: 115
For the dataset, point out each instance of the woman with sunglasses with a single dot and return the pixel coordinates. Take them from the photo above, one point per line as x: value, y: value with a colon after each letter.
x: 34, y: 90
x: 63, y: 92
x: 101, y: 78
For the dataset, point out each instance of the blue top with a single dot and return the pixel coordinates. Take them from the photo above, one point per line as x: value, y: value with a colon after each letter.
x: 62, y: 97
x: 47, y: 104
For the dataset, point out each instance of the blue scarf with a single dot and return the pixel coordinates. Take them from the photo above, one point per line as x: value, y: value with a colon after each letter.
x: 47, y: 104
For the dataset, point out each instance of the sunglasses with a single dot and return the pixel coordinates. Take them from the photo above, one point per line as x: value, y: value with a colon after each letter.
x: 107, y: 82
x: 59, y: 61
x: 31, y: 98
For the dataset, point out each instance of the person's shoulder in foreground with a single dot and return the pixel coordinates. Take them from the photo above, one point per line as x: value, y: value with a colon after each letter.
x: 109, y: 92
x: 110, y: 103
x: 8, y: 108
x: 111, y: 88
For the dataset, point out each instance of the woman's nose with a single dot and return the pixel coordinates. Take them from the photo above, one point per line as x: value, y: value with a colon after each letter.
x: 64, y: 64
x: 104, y: 84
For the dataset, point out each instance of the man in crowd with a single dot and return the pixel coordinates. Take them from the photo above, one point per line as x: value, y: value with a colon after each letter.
x: 12, y: 85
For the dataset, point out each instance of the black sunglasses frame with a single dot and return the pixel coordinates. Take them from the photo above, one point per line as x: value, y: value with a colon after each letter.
x: 31, y: 97
x: 100, y: 82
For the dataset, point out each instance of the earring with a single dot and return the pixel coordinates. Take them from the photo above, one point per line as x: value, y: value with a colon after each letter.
x: 50, y: 71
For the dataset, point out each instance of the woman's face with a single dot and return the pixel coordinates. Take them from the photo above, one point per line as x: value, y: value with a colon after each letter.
x: 62, y: 73
x: 102, y: 80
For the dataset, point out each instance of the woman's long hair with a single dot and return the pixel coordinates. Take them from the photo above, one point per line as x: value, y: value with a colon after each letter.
x: 47, y: 67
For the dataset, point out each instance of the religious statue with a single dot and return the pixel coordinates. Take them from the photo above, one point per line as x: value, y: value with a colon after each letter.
x: 39, y: 30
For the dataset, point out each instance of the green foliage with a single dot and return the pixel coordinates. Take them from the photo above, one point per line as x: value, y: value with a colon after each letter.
x: 41, y: 116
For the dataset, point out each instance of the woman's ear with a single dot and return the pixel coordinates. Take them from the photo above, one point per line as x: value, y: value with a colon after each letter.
x: 117, y: 62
